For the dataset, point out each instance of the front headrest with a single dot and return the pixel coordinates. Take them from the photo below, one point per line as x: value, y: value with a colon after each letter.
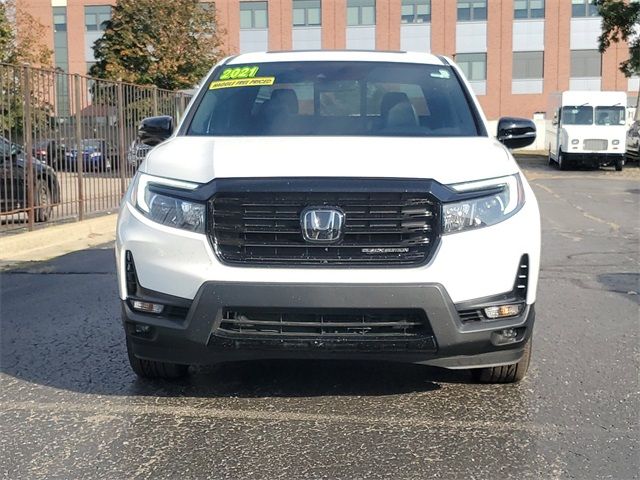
x: 287, y: 98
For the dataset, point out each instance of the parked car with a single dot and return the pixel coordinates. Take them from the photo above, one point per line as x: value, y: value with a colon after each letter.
x: 331, y: 205
x: 14, y: 190
x: 97, y: 155
x: 137, y: 153
x: 50, y: 151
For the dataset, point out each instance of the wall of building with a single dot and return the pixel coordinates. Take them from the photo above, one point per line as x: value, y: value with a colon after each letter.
x: 497, y: 37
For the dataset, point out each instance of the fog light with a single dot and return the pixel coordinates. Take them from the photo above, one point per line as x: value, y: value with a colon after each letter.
x: 505, y: 337
x: 147, y: 307
x: 508, y: 333
x: 503, y: 311
x: 141, y: 329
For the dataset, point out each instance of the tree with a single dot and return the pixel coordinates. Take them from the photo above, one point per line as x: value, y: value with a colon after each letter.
x: 21, y: 37
x: 621, y: 21
x: 6, y: 34
x: 170, y: 45
x: 21, y: 43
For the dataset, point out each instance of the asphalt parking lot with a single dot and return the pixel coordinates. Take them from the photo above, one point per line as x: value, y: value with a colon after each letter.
x: 71, y: 408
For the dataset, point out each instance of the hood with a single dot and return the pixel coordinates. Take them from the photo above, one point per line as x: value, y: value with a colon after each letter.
x: 447, y: 160
x: 38, y: 165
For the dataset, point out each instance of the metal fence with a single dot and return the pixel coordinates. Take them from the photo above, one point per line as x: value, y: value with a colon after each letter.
x: 68, y: 143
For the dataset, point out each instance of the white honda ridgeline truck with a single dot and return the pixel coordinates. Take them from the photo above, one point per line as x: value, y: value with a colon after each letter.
x: 333, y: 205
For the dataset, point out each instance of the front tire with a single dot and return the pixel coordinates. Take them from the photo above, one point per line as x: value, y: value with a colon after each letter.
x: 152, y: 369
x: 563, y: 163
x: 619, y: 164
x: 506, y: 374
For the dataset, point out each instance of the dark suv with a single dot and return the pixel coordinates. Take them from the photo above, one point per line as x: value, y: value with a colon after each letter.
x: 14, y: 192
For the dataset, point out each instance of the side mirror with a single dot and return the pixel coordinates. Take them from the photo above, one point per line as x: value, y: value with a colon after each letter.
x: 516, y: 132
x: 155, y: 130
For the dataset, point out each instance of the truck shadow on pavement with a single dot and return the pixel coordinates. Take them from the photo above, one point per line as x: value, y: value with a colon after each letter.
x: 60, y: 327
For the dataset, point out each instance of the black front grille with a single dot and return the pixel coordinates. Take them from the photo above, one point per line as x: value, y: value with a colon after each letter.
x: 391, y: 228
x: 325, y: 324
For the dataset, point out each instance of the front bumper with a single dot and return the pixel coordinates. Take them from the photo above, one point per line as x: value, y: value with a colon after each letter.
x: 594, y: 159
x: 446, y: 341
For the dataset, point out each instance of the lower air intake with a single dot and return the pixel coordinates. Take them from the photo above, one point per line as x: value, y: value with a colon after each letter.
x: 328, y: 324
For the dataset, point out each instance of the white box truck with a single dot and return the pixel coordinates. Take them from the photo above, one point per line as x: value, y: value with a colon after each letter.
x: 587, y: 128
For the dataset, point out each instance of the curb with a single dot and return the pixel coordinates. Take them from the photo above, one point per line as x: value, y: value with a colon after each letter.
x: 529, y: 153
x: 51, y: 242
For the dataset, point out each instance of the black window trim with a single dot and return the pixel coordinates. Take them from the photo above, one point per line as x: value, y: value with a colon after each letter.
x: 475, y: 113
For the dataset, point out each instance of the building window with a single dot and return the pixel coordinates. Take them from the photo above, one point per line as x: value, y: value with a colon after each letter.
x: 528, y: 65
x: 60, y: 44
x: 361, y: 12
x: 61, y: 58
x: 416, y: 11
x: 307, y: 13
x: 253, y: 15
x: 59, y: 19
x: 474, y: 65
x: 583, y: 8
x: 528, y: 9
x: 586, y: 63
x: 96, y: 17
x: 472, y: 10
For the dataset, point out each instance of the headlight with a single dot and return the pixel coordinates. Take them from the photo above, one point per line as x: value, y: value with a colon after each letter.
x: 483, y: 211
x: 615, y: 142
x: 575, y: 141
x: 164, y: 209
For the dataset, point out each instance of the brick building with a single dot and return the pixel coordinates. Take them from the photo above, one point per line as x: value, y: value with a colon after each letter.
x: 515, y: 52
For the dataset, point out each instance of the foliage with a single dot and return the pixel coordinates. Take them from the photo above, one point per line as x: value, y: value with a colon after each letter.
x: 621, y: 22
x: 21, y: 43
x: 21, y: 37
x: 171, y: 45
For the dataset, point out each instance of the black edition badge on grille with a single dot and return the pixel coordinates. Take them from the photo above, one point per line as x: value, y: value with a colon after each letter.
x: 322, y: 224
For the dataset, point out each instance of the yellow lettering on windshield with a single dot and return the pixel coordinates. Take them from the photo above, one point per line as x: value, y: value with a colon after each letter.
x: 242, y: 82
x: 239, y: 72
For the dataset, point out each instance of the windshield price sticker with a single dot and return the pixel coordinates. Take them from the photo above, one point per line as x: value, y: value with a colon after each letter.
x: 242, y: 82
x: 441, y: 74
x: 239, y: 72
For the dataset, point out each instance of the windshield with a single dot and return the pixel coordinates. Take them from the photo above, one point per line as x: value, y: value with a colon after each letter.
x: 334, y: 98
x: 613, y: 115
x: 581, y: 115
x: 91, y: 143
